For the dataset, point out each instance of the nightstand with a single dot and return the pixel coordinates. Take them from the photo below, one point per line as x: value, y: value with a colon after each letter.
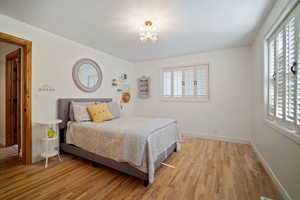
x: 51, y: 145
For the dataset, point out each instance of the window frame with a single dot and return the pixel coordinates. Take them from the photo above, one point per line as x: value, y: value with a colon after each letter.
x: 289, y: 129
x: 193, y: 98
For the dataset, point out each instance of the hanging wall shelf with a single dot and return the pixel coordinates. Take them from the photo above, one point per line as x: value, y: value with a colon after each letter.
x: 144, y: 87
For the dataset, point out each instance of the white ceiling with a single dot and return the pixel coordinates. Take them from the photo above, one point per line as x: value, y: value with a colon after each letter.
x: 185, y: 26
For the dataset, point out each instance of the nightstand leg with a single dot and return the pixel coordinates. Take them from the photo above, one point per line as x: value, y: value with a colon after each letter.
x: 46, y: 163
x: 58, y: 154
x: 46, y: 152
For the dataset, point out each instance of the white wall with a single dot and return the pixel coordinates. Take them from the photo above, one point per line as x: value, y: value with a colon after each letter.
x: 228, y: 113
x: 280, y: 153
x: 52, y: 62
x: 5, y: 48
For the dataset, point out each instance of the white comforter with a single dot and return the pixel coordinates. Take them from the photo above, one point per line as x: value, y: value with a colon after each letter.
x: 132, y: 140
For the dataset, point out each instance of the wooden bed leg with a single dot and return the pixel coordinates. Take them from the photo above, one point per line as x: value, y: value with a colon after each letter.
x: 146, y: 183
x: 175, y: 150
x: 94, y: 164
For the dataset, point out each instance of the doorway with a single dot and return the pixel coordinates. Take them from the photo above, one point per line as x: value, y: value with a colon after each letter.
x: 13, y: 99
x: 18, y: 123
x: 10, y: 101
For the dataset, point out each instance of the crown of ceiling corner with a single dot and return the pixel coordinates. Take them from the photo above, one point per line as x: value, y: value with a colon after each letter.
x: 148, y: 32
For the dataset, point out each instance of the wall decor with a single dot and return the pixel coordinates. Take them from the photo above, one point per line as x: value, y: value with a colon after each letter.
x: 123, y: 77
x: 46, y: 88
x: 121, y: 83
x: 125, y: 98
x: 87, y: 75
x: 144, y: 87
x: 114, y: 82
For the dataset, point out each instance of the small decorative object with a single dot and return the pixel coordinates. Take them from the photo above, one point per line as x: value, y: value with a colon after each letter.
x: 143, y: 87
x: 121, y: 84
x: 114, y: 82
x: 148, y: 32
x: 51, y: 133
x: 87, y: 75
x: 125, y: 98
x: 123, y: 77
x: 46, y: 88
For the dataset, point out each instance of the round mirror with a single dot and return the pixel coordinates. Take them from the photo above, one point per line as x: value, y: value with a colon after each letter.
x: 87, y: 75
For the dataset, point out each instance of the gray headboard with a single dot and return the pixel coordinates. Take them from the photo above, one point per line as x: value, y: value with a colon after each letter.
x: 64, y: 108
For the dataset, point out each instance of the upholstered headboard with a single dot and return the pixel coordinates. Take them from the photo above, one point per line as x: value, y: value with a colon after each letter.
x: 64, y: 109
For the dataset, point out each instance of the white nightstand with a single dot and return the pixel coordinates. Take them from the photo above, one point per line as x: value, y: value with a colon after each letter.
x: 49, y: 142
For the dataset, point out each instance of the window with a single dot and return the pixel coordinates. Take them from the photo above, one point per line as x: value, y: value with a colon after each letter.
x: 185, y: 83
x: 283, y: 103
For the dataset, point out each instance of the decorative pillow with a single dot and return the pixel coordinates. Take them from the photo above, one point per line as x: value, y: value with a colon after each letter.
x: 84, y: 104
x: 100, y: 112
x: 114, y: 108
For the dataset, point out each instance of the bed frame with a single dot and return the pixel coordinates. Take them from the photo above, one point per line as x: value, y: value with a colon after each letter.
x: 63, y: 114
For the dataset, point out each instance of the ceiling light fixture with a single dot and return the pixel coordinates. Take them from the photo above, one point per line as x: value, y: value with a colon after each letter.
x: 148, y: 32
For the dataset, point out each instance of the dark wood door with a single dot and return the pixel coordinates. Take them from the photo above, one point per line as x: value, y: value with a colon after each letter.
x: 13, y: 98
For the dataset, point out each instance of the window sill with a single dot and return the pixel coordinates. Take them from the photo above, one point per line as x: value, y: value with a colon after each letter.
x: 290, y: 133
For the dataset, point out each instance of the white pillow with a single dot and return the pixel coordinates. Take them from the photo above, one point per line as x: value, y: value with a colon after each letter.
x: 114, y: 108
x: 79, y: 112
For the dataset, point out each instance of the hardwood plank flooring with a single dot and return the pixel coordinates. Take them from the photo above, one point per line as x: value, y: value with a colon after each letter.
x: 9, y: 154
x: 205, y: 169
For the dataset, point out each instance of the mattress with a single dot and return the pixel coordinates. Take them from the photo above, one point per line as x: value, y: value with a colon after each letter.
x: 135, y: 140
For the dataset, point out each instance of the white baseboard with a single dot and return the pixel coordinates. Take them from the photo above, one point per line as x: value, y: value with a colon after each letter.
x: 269, y: 170
x: 215, y: 137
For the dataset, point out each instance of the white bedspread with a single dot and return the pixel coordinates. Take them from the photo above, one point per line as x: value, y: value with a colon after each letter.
x: 133, y: 140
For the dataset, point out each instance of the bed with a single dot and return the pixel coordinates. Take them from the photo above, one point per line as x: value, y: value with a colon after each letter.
x: 132, y: 145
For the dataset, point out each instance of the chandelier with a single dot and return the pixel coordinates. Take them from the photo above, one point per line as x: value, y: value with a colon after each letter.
x: 148, y: 32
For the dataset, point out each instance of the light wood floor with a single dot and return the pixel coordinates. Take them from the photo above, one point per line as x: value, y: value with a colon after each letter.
x: 9, y: 154
x: 205, y: 169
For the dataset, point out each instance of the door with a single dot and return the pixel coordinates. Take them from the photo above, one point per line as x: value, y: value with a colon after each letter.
x: 13, y: 98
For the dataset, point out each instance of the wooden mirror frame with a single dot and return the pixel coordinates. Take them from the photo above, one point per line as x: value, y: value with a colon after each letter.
x: 76, y: 80
x: 25, y: 94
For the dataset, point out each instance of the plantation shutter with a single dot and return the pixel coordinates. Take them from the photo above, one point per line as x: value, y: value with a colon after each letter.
x: 177, y: 83
x: 290, y: 63
x: 283, y: 101
x: 280, y: 75
x: 271, y: 78
x: 189, y: 86
x: 187, y: 83
x: 297, y: 58
x: 202, y: 81
x: 167, y: 83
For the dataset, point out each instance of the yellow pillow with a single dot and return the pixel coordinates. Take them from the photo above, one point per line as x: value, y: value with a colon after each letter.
x: 100, y: 112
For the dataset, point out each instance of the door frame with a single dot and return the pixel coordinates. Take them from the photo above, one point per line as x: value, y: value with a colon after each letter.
x: 26, y: 94
x: 9, y: 101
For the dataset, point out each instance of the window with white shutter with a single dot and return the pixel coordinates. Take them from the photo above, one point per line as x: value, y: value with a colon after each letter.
x: 167, y: 78
x: 177, y: 83
x: 189, y: 82
x: 271, y: 78
x: 290, y: 62
x: 280, y: 75
x: 201, y: 82
x: 283, y: 94
x: 186, y: 83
